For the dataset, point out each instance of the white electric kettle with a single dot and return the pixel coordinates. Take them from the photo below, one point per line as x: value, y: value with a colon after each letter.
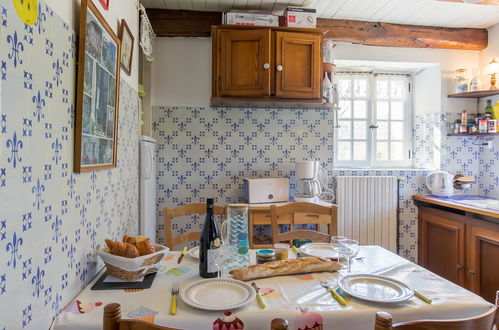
x: 440, y: 183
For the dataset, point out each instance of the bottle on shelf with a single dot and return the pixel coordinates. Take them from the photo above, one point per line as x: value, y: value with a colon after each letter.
x: 209, y: 234
x: 488, y: 110
x: 464, y: 122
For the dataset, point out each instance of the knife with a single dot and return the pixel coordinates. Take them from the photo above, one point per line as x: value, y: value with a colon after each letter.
x: 422, y: 297
x: 184, y: 250
x: 258, y: 296
x: 296, y: 251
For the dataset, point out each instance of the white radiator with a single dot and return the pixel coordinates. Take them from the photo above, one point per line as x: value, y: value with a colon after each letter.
x: 368, y: 209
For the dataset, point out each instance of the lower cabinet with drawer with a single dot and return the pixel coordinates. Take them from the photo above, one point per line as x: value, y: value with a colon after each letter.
x: 460, y: 248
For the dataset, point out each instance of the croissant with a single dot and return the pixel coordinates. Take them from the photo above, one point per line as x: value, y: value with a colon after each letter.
x: 122, y: 249
x: 143, y: 244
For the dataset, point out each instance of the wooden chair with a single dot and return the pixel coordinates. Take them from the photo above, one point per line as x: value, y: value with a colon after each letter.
x: 311, y: 208
x: 187, y: 209
x: 112, y: 321
x: 484, y: 321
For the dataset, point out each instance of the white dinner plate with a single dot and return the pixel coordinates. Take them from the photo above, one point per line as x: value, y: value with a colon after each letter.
x: 375, y: 288
x: 194, y: 252
x: 217, y: 294
x: 321, y: 250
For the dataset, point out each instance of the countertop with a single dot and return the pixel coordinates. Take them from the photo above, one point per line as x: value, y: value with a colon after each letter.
x: 467, y: 203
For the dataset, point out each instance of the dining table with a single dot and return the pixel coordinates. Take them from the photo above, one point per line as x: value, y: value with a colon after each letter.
x: 299, y: 299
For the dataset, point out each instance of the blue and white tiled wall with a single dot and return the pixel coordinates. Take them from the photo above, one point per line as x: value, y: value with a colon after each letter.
x: 51, y: 219
x: 207, y: 151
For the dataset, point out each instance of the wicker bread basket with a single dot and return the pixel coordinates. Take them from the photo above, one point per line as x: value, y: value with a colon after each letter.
x: 132, y: 268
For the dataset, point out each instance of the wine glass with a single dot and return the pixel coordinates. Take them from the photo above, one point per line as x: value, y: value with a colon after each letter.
x: 218, y: 253
x: 350, y: 249
x: 336, y: 245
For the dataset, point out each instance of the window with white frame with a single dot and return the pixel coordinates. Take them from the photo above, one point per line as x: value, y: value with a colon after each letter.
x: 374, y: 119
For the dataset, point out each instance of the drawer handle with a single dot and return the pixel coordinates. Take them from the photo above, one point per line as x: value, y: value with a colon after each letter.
x: 471, y: 272
x: 459, y: 267
x: 312, y: 216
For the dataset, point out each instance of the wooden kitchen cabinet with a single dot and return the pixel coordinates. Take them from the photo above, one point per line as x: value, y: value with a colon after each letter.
x: 268, y: 64
x: 442, y: 245
x: 461, y: 247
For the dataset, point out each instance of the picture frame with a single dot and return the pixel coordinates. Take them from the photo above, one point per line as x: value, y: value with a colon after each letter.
x: 105, y: 4
x: 97, y: 100
x: 127, y: 44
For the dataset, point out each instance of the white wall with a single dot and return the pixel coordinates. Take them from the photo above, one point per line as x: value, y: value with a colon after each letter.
x: 492, y: 51
x: 181, y: 72
x: 118, y: 9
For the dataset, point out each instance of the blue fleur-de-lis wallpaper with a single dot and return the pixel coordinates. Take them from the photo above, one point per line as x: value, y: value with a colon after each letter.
x: 203, y: 152
x: 52, y: 221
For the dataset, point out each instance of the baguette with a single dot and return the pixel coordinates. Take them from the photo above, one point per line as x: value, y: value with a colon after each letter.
x: 285, y: 267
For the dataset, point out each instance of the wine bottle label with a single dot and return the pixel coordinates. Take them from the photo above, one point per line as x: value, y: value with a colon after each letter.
x: 212, y: 261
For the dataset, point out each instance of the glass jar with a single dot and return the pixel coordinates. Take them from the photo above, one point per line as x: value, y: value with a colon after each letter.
x: 263, y: 256
x: 461, y: 80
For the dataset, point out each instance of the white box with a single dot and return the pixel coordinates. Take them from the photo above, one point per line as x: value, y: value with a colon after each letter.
x: 266, y: 190
x: 300, y: 17
x: 251, y: 19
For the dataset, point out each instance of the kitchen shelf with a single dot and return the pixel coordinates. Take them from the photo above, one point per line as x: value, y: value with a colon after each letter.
x: 476, y: 95
x: 472, y: 134
x: 232, y: 102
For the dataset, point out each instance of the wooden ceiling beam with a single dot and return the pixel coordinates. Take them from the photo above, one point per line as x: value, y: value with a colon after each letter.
x: 185, y: 23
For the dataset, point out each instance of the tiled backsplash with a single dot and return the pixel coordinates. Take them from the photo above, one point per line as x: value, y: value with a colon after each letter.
x: 207, y: 151
x: 52, y: 220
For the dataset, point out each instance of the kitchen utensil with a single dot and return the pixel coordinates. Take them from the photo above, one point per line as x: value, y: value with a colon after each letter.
x: 184, y: 251
x: 258, y: 296
x: 336, y: 296
x: 422, y: 297
x: 218, y: 294
x: 440, y: 184
x: 175, y: 291
x: 234, y: 234
x: 375, y: 288
x: 321, y: 250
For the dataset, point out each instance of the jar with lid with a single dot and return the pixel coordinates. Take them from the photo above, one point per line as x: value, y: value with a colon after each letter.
x: 263, y: 256
x: 461, y: 80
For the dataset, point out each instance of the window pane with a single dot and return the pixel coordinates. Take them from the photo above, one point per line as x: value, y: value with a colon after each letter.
x: 345, y: 88
x: 344, y: 150
x: 359, y: 150
x: 382, y: 150
x: 382, y: 89
x: 360, y: 87
x: 359, y: 130
x: 398, y: 89
x: 382, y: 130
x: 382, y: 110
x: 345, y: 109
x: 359, y: 109
x: 345, y: 130
x: 397, y: 112
x: 397, y: 151
x: 397, y: 132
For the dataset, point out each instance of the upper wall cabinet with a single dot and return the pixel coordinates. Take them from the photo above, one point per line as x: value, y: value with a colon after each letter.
x: 266, y: 65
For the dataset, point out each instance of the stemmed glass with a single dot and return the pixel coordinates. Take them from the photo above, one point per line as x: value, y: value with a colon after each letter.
x: 218, y: 251
x: 336, y: 245
x: 350, y: 250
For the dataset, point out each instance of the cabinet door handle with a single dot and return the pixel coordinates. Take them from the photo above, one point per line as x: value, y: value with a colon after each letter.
x: 266, y: 66
x: 279, y: 68
x: 459, y: 267
x: 471, y: 272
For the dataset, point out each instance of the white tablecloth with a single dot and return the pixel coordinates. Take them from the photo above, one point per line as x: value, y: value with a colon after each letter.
x: 300, y: 299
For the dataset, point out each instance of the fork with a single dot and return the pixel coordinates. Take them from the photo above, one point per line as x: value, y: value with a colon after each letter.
x: 175, y: 291
x: 335, y: 294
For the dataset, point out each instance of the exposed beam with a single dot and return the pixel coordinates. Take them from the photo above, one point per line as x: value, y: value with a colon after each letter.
x: 398, y: 35
x: 184, y: 23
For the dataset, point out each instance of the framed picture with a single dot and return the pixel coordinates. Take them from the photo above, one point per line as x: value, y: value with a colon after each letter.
x: 96, y: 127
x: 127, y: 40
x: 105, y: 4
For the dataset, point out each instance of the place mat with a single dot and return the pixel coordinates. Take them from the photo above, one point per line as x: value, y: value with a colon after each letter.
x: 102, y: 284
